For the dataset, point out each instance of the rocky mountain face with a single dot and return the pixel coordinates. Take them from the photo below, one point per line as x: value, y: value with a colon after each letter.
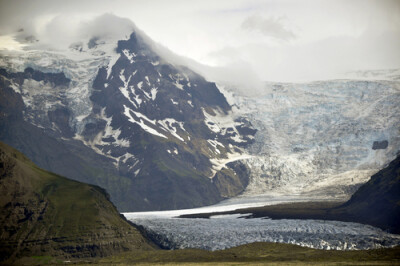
x: 154, y: 135
x: 46, y: 214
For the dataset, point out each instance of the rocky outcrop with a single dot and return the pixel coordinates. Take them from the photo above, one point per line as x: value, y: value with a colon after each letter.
x: 380, y: 145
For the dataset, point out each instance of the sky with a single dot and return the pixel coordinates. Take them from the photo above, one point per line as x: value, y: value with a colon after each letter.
x: 246, y: 41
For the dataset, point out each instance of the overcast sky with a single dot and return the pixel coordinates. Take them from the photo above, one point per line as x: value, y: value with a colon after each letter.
x: 268, y: 40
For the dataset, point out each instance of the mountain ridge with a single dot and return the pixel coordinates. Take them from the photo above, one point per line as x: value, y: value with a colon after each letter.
x: 155, y: 135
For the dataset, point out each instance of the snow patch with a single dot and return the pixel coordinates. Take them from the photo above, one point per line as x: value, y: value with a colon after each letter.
x: 113, y: 59
x: 219, y: 163
x: 168, y: 125
x: 137, y: 172
x: 216, y: 143
x: 142, y: 118
x: 220, y: 123
x: 178, y: 85
x: 127, y: 156
x: 153, y: 93
x: 124, y: 89
x: 110, y: 132
x: 128, y: 55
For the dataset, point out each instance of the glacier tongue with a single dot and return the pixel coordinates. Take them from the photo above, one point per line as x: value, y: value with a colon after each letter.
x: 229, y: 231
x: 318, y: 137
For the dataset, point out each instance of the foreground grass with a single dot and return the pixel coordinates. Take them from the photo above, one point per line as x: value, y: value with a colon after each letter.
x: 255, y: 254
x: 259, y: 253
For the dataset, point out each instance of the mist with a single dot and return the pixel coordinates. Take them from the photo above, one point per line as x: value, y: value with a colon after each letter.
x: 60, y: 31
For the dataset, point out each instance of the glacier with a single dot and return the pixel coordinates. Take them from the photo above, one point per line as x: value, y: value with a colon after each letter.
x: 318, y: 137
x: 226, y: 231
x: 231, y: 230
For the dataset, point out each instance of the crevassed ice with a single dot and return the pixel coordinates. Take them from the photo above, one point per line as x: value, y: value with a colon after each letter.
x: 317, y: 137
x: 222, y: 233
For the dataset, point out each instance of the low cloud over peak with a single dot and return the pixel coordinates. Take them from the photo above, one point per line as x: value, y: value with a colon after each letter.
x: 271, y: 27
x: 58, y: 32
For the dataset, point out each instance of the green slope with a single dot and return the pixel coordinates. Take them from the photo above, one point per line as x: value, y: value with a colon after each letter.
x: 258, y: 254
x: 46, y: 214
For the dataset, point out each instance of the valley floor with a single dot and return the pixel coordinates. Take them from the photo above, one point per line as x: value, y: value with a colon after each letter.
x: 250, y: 254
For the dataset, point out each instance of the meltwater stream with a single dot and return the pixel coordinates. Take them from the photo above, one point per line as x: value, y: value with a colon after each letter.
x: 226, y: 231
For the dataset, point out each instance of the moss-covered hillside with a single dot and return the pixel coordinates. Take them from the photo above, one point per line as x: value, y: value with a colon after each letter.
x: 45, y: 214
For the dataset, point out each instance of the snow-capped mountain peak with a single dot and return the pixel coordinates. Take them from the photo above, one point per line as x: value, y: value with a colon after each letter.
x: 153, y: 126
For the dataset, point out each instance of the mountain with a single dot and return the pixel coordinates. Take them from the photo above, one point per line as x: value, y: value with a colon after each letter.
x: 377, y: 202
x: 154, y: 134
x: 121, y: 113
x: 43, y: 213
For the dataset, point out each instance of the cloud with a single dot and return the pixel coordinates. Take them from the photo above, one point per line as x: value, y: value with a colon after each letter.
x: 271, y: 27
x: 329, y: 58
x: 58, y: 32
x: 236, y: 73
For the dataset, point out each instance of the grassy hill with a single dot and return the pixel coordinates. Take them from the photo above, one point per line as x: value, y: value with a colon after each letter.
x: 45, y: 214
